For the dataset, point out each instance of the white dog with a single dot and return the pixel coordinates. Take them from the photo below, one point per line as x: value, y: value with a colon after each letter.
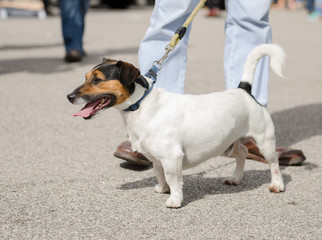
x: 178, y: 131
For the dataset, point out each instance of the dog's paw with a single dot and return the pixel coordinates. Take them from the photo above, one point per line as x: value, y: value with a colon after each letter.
x: 276, y: 188
x: 231, y: 181
x: 161, y: 189
x: 173, y: 203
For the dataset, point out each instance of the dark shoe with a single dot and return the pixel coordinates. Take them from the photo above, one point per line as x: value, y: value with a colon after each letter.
x: 73, y: 56
x: 125, y: 152
x: 290, y: 157
x: 286, y: 156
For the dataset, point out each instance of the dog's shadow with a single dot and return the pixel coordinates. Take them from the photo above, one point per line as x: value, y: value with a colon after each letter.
x: 197, y: 186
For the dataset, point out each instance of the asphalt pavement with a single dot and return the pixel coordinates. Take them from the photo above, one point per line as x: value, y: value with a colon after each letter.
x: 58, y: 176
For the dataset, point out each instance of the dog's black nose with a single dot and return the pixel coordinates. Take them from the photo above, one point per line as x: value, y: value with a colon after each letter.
x: 71, y: 97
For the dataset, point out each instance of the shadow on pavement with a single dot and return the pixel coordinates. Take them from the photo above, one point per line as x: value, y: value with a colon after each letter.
x: 135, y: 167
x: 49, y: 65
x: 197, y: 186
x: 296, y: 124
x: 29, y: 46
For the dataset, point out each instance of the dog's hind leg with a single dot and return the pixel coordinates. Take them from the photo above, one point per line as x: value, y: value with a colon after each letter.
x: 267, y: 148
x: 277, y: 184
x: 162, y: 186
x: 239, y: 151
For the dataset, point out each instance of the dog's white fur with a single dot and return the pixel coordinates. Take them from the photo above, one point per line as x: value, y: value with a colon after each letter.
x: 178, y: 131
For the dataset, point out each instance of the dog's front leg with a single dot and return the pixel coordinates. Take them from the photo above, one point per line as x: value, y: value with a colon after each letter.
x: 173, y: 175
x: 162, y: 186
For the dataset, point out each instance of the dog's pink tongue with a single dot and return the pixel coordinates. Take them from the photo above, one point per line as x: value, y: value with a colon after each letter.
x: 87, y: 110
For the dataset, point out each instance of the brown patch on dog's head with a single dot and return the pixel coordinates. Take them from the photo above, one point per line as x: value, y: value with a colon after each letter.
x: 107, y: 84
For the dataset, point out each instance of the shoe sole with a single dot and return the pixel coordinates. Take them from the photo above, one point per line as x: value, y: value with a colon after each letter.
x: 131, y: 159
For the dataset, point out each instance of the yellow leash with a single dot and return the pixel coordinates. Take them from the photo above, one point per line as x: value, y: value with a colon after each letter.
x: 180, y: 32
x: 176, y: 38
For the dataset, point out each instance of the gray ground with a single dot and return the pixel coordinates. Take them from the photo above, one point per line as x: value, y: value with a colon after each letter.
x: 59, y: 180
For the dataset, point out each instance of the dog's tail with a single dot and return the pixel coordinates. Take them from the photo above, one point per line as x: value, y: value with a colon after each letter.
x: 277, y: 61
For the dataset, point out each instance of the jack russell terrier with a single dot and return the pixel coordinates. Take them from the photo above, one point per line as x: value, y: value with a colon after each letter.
x: 178, y: 131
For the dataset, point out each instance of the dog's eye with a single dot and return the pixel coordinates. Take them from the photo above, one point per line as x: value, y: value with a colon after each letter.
x: 97, y: 80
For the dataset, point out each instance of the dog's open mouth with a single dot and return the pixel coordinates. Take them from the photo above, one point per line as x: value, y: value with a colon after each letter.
x: 92, y: 108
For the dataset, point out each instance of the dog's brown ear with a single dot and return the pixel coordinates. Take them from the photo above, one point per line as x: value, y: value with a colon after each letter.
x: 129, y: 73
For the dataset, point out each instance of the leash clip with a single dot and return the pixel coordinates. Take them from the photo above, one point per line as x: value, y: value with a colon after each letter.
x: 168, y: 49
x: 153, y: 71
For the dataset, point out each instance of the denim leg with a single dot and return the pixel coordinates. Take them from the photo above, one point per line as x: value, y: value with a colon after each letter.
x: 73, y: 22
x: 167, y: 16
x: 247, y: 27
x: 310, y: 5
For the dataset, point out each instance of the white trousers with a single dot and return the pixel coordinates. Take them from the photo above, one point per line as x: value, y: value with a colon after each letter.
x: 246, y: 27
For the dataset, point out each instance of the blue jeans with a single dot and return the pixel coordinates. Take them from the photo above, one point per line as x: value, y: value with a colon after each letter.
x: 310, y: 5
x: 73, y: 23
x: 246, y: 27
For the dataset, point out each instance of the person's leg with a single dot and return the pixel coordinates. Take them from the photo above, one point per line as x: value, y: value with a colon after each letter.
x: 247, y: 27
x: 310, y: 5
x: 172, y: 79
x: 73, y: 23
x: 167, y: 16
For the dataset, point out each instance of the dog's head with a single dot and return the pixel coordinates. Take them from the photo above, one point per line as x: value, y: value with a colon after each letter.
x: 107, y: 84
